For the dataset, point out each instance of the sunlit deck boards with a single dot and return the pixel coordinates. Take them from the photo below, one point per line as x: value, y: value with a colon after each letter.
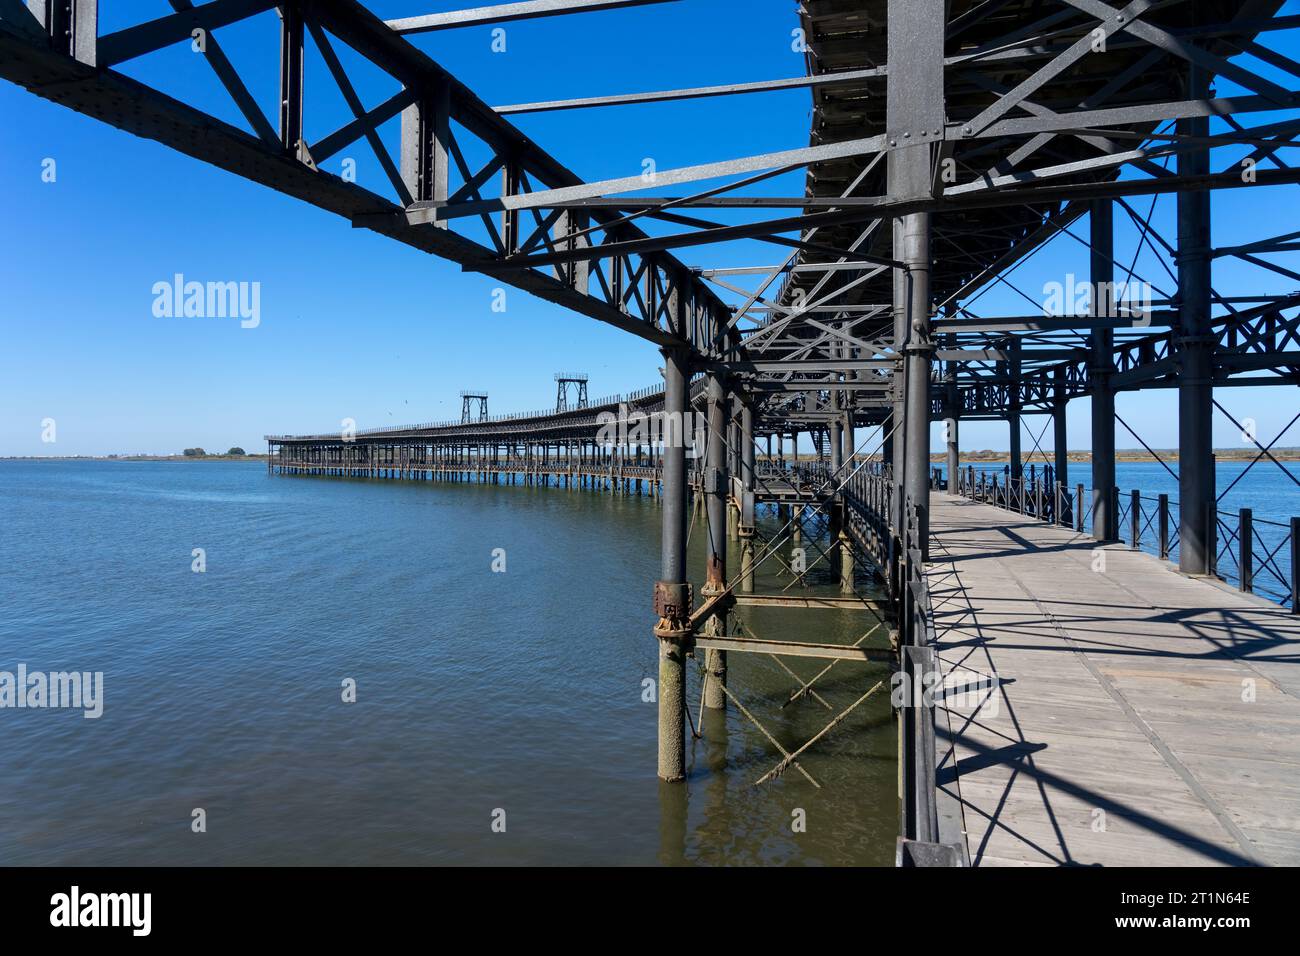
x: 1126, y: 691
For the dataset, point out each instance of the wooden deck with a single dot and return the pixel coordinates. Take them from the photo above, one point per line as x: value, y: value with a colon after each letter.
x: 1140, y: 717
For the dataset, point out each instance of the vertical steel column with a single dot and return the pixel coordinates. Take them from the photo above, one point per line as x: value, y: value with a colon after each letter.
x: 746, y: 492
x: 733, y: 464
x: 950, y: 425
x: 919, y: 352
x: 834, y: 506
x: 715, y: 503
x: 1246, y: 546
x: 1195, y: 351
x: 1101, y: 366
x: 1295, y: 565
x: 72, y: 26
x: 914, y: 124
x: 887, y: 437
x: 1060, y: 441
x: 291, y: 82
x: 848, y: 441
x: 672, y: 593
x: 836, y: 436
x: 1017, y: 470
x: 848, y: 444
x: 426, y: 139
x: 898, y: 394
x: 510, y: 185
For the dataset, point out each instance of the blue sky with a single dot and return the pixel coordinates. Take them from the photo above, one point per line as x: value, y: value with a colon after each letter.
x: 354, y: 325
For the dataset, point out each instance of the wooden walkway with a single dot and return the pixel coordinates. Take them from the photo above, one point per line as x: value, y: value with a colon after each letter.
x: 1139, y: 717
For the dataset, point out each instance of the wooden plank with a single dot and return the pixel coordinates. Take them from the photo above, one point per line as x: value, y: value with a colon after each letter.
x: 1169, y: 704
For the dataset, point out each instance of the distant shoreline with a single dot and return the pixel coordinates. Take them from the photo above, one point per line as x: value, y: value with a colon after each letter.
x: 983, y: 456
x: 133, y: 458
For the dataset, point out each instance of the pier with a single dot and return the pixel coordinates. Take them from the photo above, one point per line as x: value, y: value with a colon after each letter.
x: 1142, y: 716
x: 1062, y: 696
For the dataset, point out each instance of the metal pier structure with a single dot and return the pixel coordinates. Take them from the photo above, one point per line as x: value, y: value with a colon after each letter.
x: 1063, y: 696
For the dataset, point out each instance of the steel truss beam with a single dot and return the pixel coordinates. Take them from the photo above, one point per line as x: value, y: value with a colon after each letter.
x: 508, y: 13
x: 653, y: 296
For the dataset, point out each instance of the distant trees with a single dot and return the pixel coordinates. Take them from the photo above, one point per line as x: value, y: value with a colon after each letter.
x: 235, y: 452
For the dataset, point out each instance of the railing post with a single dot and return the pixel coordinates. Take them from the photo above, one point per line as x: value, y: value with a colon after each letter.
x: 1163, y: 522
x: 1295, y: 565
x: 920, y: 816
x: 923, y: 534
x: 1135, y: 518
x: 895, y: 562
x: 1246, y: 559
x: 1078, y: 507
x: 1211, y: 537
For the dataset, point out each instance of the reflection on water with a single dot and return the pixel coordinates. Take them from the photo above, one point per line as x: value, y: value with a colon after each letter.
x: 476, y: 691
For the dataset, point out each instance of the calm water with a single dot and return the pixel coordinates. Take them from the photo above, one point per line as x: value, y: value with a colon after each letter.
x: 475, y: 690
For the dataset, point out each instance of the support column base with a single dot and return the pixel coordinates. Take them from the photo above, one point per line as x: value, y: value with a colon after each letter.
x: 672, y: 703
x: 747, y: 560
x: 715, y: 662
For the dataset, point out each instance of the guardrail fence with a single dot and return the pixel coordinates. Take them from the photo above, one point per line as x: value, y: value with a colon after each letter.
x: 1258, y: 556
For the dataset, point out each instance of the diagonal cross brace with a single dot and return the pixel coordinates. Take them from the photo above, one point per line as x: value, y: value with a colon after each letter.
x: 790, y: 758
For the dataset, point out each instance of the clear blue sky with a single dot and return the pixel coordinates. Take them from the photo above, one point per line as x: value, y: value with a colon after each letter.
x: 356, y: 325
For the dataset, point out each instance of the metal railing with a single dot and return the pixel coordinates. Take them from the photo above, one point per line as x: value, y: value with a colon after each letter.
x: 868, y: 497
x: 922, y: 680
x: 1256, y: 548
x: 591, y: 408
x: 1258, y: 556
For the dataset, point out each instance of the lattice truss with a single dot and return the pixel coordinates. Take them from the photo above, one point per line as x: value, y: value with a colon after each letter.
x: 1036, y: 109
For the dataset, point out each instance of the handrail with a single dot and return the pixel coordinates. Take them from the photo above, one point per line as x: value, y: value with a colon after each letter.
x: 1257, y: 555
x: 591, y: 408
x: 869, y: 499
x: 639, y: 396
